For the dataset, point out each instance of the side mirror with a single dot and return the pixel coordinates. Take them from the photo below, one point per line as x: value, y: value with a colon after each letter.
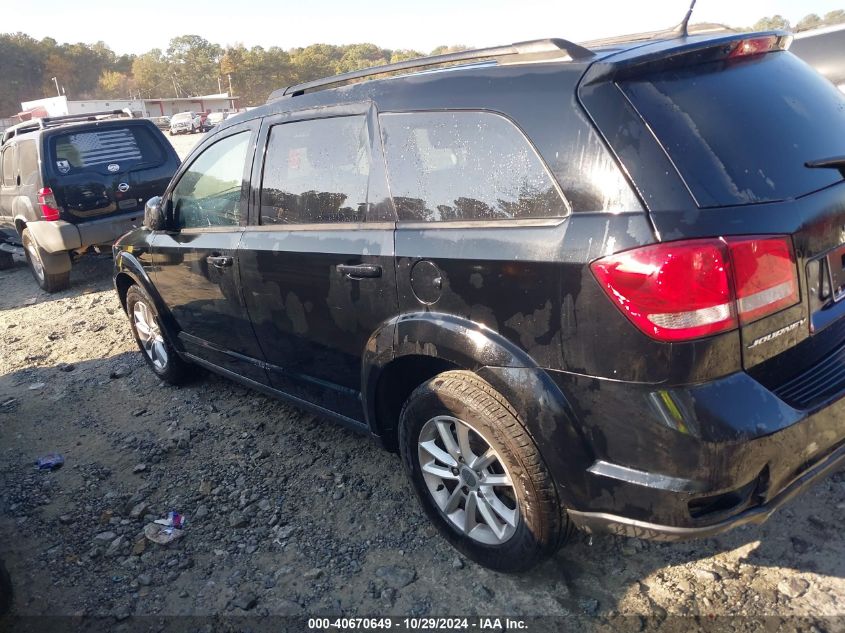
x: 154, y: 218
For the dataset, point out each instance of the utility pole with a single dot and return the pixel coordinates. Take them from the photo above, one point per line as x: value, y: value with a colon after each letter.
x: 230, y: 84
x: 219, y: 86
x: 56, y: 81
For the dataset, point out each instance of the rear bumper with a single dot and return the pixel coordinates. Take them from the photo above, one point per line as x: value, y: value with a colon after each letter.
x: 624, y: 526
x: 60, y: 236
x: 687, y: 462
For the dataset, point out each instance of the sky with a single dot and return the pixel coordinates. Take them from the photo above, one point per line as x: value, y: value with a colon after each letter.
x: 136, y: 27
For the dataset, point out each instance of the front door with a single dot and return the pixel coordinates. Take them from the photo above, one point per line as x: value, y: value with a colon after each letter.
x: 317, y: 265
x: 196, y: 260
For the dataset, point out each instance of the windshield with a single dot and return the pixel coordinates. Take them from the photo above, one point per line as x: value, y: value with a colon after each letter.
x: 740, y: 131
x: 182, y: 116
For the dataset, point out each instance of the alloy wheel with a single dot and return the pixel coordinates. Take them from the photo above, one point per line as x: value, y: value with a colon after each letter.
x: 149, y: 333
x: 468, y: 480
x: 35, y: 260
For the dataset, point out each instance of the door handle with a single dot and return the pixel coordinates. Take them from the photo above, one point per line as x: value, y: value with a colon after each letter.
x: 359, y: 271
x: 220, y: 261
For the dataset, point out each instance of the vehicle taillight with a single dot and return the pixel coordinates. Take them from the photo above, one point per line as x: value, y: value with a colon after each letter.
x: 755, y: 46
x: 678, y: 291
x: 47, y: 202
x: 765, y: 280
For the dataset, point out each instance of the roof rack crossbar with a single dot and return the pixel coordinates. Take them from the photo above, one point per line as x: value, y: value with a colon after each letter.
x: 533, y: 48
x: 88, y: 116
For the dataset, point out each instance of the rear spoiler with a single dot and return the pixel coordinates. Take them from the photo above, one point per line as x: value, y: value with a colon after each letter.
x: 688, y: 51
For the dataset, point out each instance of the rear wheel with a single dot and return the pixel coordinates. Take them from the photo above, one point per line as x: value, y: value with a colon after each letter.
x: 479, y: 475
x: 51, y: 270
x: 146, y: 327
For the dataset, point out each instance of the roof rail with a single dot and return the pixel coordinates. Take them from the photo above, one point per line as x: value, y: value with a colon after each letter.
x: 40, y: 123
x: 533, y: 50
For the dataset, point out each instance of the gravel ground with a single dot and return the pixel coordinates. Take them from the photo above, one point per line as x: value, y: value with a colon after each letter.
x: 290, y: 514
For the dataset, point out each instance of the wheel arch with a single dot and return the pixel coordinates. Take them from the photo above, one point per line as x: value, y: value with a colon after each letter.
x: 413, y: 348
x: 129, y: 272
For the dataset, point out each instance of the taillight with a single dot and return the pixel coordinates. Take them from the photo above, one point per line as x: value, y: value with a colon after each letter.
x: 765, y: 280
x: 679, y: 291
x: 47, y: 202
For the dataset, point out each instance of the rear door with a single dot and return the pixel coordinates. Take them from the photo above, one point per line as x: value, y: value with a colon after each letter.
x: 196, y: 268
x: 317, y: 263
x: 107, y: 169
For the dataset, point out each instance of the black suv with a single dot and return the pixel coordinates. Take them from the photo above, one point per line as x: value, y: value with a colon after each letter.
x: 574, y: 287
x: 71, y: 183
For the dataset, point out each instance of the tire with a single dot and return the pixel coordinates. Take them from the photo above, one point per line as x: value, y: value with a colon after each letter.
x: 6, y: 261
x: 538, y: 523
x: 5, y: 589
x: 50, y: 270
x: 151, y: 338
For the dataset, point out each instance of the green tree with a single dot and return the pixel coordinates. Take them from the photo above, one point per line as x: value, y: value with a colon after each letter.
x: 810, y: 21
x: 22, y: 69
x: 151, y: 74
x: 403, y: 54
x: 195, y: 64
x: 359, y: 56
x: 115, y: 85
x: 775, y: 22
x: 834, y: 17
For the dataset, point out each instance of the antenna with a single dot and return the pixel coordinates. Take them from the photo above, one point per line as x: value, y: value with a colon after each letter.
x: 681, y: 29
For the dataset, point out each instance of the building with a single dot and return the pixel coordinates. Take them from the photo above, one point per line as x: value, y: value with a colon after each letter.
x: 822, y: 48
x: 59, y: 106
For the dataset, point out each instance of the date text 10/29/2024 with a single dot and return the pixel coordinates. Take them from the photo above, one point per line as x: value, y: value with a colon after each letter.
x: 481, y: 624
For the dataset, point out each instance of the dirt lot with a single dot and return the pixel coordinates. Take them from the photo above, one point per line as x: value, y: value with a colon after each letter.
x: 290, y: 514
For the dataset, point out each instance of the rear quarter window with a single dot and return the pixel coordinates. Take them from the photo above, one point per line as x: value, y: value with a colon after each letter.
x: 739, y: 131
x: 465, y: 166
x: 98, y: 148
x: 28, y: 162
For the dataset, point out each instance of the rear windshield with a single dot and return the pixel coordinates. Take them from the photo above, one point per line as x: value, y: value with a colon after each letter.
x: 739, y: 132
x: 94, y: 148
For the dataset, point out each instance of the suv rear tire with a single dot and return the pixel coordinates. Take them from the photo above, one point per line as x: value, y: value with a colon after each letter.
x: 151, y: 338
x: 41, y: 263
x: 464, y: 447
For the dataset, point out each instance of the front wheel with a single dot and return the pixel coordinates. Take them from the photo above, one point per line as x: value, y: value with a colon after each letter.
x: 148, y: 332
x: 479, y: 475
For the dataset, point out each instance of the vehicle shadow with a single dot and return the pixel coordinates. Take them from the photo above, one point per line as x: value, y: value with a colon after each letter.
x: 92, y: 273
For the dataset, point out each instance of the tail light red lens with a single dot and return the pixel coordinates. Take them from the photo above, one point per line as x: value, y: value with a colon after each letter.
x: 47, y: 202
x: 679, y: 291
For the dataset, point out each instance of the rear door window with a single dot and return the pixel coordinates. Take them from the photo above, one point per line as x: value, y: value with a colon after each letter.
x: 739, y: 131
x: 316, y: 172
x: 459, y: 166
x: 96, y: 149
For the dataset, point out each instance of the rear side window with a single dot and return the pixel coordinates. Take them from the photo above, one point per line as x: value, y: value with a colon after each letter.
x: 453, y: 166
x: 98, y: 148
x: 9, y: 172
x: 28, y: 162
x: 316, y: 171
x: 740, y: 131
